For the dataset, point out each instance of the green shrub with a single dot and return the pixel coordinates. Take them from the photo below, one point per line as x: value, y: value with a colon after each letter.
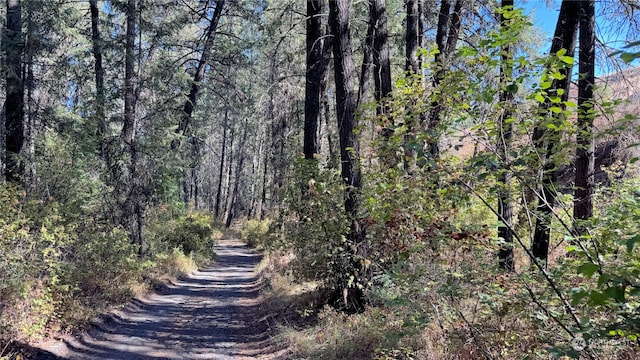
x: 105, y: 262
x: 32, y: 242
x: 255, y: 231
x: 169, y: 265
x: 609, y: 260
x: 56, y: 270
x: 192, y: 233
x: 314, y: 225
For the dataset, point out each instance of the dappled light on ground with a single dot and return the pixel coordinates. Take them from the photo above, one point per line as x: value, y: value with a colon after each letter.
x: 210, y: 314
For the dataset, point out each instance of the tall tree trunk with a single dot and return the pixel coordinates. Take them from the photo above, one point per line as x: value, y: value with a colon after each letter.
x: 413, y: 66
x: 412, y: 36
x: 198, y: 77
x: 505, y: 133
x: 381, y: 60
x: 101, y: 118
x: 325, y: 108
x: 223, y: 150
x: 255, y: 168
x: 315, y: 73
x: 446, y: 40
x: 2, y: 143
x: 263, y: 195
x: 227, y: 192
x: 365, y: 69
x: 564, y: 38
x: 30, y: 128
x: 584, y: 183
x: 230, y: 214
x: 195, y: 164
x: 128, y: 130
x: 349, y: 145
x: 13, y: 47
x: 278, y: 130
x: 133, y: 215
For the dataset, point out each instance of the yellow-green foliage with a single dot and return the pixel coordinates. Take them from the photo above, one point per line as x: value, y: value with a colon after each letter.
x: 255, y: 231
x: 314, y: 225
x: 32, y: 237
x: 52, y: 268
x: 192, y: 233
x: 104, y: 262
x: 171, y: 264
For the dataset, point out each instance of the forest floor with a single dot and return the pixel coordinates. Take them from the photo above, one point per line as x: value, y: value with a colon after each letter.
x: 214, y: 313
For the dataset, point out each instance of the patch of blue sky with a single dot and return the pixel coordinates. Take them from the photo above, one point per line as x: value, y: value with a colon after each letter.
x: 616, y: 26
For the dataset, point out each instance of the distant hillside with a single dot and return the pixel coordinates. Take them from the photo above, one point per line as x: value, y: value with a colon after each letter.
x: 616, y: 132
x: 622, y: 86
x: 613, y: 133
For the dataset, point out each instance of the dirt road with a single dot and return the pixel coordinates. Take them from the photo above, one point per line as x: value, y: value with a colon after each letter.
x: 211, y: 314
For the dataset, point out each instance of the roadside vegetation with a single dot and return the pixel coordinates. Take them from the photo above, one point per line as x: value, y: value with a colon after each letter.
x: 437, y: 292
x: 60, y: 270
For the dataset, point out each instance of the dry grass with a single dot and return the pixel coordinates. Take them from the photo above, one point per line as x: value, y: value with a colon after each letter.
x: 460, y: 325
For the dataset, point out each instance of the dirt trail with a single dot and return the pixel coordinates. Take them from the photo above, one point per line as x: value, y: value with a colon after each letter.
x: 211, y: 314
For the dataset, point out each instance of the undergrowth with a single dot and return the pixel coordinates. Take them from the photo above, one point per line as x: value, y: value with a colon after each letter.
x: 436, y: 290
x: 58, y: 272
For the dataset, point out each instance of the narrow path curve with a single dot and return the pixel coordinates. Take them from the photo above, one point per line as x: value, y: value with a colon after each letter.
x: 210, y: 314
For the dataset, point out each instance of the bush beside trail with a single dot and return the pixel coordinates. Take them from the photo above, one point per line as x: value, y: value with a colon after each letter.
x: 57, y: 274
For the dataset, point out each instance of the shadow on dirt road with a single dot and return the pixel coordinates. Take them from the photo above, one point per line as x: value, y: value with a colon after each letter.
x: 211, y: 314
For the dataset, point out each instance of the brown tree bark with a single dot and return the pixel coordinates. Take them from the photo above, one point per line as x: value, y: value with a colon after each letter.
x: 584, y: 182
x: 349, y: 144
x: 13, y: 48
x: 30, y: 129
x: 315, y: 72
x: 505, y: 134
x: 413, y: 66
x: 263, y: 194
x: 325, y: 108
x: 564, y: 38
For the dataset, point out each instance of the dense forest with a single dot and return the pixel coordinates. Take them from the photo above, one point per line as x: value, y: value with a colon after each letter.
x: 430, y: 179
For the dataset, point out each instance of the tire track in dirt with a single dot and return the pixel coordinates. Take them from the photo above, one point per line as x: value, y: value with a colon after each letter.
x: 211, y: 314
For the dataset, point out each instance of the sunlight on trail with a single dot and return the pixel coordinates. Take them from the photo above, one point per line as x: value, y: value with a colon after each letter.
x: 210, y: 314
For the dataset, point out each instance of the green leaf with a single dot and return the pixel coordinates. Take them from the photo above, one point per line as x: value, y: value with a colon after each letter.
x: 557, y: 75
x: 603, y: 279
x: 482, y: 176
x: 539, y: 98
x: 597, y: 298
x: 629, y: 57
x: 577, y: 296
x: 616, y: 293
x: 588, y: 269
x: 567, y: 60
x: 632, y: 242
x: 558, y: 352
